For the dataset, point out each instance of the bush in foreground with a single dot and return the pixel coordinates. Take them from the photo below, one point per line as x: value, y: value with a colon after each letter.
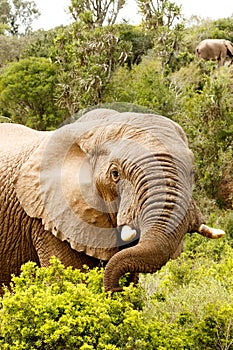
x: 57, y: 308
x: 186, y: 305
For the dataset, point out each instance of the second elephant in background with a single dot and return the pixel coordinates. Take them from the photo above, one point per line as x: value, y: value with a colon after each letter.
x: 216, y: 50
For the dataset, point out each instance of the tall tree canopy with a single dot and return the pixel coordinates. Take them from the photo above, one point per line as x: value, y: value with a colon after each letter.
x: 18, y: 15
x: 86, y: 60
x: 159, y: 13
x: 164, y: 19
x: 96, y: 12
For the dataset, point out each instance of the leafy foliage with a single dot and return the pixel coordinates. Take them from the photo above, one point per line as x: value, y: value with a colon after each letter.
x: 163, y: 18
x: 96, y: 13
x: 11, y: 48
x: 140, y: 42
x: 18, y: 15
x: 144, y: 85
x: 27, y: 93
x: 41, y: 43
x: 206, y: 115
x: 160, y: 13
x: 57, y: 308
x: 85, y: 62
x: 188, y: 304
x: 191, y: 299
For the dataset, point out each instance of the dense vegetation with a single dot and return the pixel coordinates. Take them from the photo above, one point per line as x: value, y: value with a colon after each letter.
x: 186, y: 305
x: 47, y: 78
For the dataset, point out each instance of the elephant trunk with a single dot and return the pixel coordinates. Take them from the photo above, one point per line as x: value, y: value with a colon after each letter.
x: 162, y: 199
x: 146, y: 257
x: 159, y: 205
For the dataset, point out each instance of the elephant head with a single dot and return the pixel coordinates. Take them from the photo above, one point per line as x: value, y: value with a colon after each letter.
x: 111, y: 179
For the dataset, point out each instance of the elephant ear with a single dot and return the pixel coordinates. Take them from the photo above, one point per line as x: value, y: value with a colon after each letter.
x: 229, y: 46
x: 56, y: 185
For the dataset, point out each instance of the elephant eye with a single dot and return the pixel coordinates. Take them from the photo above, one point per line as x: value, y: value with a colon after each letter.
x: 115, y: 175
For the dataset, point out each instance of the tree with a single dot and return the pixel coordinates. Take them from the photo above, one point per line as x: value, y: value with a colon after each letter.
x: 162, y: 14
x: 11, y: 48
x: 140, y: 41
x: 86, y: 60
x: 144, y: 85
x: 95, y: 12
x: 41, y: 42
x: 162, y: 17
x: 18, y: 15
x: 27, y: 93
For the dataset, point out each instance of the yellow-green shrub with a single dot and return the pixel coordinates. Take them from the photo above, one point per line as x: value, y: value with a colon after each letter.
x: 188, y: 304
x: 57, y: 308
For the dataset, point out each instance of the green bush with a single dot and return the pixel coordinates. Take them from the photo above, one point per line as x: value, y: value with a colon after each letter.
x: 188, y: 304
x: 143, y: 85
x: 204, y: 95
x: 27, y: 93
x: 57, y: 308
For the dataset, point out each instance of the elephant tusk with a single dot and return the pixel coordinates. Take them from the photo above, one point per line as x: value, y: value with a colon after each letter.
x: 210, y: 232
x: 127, y: 233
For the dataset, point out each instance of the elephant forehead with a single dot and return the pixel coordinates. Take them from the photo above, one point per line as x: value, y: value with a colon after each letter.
x: 139, y: 131
x: 114, y: 124
x: 138, y: 147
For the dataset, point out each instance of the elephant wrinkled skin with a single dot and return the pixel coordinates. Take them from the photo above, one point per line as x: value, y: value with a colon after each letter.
x: 111, y: 187
x: 215, y: 50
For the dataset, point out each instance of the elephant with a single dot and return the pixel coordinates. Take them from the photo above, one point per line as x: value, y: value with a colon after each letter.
x: 216, y: 50
x: 111, y: 189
